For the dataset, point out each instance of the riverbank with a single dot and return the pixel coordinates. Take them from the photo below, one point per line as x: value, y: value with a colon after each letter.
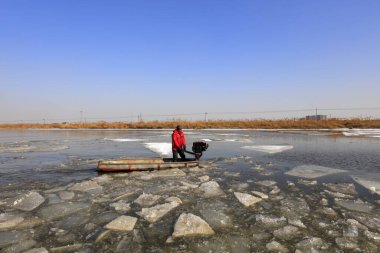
x: 211, y: 124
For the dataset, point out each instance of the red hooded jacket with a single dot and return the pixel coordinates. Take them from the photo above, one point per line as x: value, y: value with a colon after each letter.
x: 178, y: 139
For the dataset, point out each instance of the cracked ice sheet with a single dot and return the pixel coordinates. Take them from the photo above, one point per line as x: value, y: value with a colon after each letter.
x: 312, y: 171
x: 372, y: 183
x: 271, y: 149
x: 161, y: 148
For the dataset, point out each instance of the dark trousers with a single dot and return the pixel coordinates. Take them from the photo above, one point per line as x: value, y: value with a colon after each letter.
x: 181, y: 154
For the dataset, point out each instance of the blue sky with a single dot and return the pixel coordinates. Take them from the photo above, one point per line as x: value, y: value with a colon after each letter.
x: 121, y: 58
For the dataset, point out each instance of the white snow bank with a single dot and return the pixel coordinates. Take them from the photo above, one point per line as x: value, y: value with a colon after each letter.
x: 370, y: 183
x: 271, y: 149
x: 123, y: 140
x: 312, y: 171
x: 375, y: 133
x: 161, y: 148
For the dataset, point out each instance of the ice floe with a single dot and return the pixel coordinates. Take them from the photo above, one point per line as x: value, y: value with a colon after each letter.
x: 122, y: 223
x: 161, y: 148
x: 375, y: 133
x: 312, y: 171
x: 266, y: 183
x: 123, y: 140
x: 215, y: 213
x: 191, y: 225
x: 146, y: 200
x: 354, y: 205
x: 211, y: 189
x: 86, y: 186
x: 270, y: 149
x: 310, y: 244
x: 247, y: 199
x: 241, y: 140
x: 345, y: 188
x: 231, y: 134
x: 8, y: 221
x: 153, y: 214
x: 371, y: 184
x: 56, y: 211
x: 28, y: 201
x: 270, y: 221
x: 274, y: 246
x: 37, y: 250
x: 287, y: 233
x: 121, y: 205
x: 31, y: 146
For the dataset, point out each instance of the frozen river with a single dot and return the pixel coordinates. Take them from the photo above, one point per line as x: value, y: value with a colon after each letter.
x: 49, y: 155
x: 256, y: 191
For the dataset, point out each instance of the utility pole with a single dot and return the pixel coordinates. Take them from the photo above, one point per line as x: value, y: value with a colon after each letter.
x: 316, y: 113
x: 205, y: 116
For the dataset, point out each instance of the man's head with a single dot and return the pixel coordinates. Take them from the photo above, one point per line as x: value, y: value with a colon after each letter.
x: 178, y: 128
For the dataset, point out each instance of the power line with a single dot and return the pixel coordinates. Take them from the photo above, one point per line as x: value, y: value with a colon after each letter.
x: 350, y: 109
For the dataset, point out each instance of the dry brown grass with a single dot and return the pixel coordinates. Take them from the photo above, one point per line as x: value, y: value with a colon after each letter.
x: 238, y: 124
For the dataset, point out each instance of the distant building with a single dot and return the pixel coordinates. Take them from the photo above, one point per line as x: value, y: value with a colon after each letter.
x: 316, y: 117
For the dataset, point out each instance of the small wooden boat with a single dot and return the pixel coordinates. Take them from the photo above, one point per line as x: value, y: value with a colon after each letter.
x: 135, y: 164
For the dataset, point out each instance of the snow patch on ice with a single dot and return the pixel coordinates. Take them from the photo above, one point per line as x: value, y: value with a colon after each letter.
x: 123, y: 140
x: 206, y: 140
x: 161, y: 148
x: 271, y: 149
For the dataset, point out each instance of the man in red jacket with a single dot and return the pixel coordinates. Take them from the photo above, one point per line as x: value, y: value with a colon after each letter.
x: 178, y: 144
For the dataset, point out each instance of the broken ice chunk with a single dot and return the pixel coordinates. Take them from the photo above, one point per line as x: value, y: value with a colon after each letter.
x: 247, y: 199
x: 191, y: 225
x: 146, y: 200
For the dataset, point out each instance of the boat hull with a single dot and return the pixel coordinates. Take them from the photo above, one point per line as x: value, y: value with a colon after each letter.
x: 141, y: 164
